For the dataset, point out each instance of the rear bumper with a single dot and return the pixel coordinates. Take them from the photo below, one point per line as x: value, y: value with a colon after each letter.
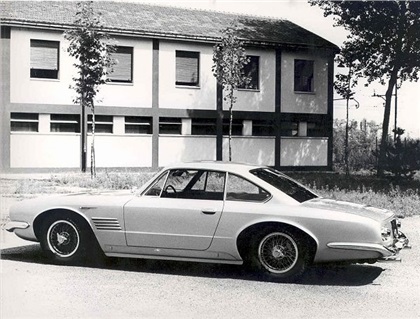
x: 388, y: 253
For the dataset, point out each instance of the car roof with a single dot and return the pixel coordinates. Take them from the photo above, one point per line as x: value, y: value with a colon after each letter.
x: 215, y: 165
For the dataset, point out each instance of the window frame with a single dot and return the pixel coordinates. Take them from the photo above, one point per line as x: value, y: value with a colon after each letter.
x: 269, y: 125
x: 188, y: 192
x: 170, y: 121
x: 130, y: 50
x: 44, y: 73
x: 14, y: 118
x: 143, y: 122
x: 304, y: 83
x: 187, y: 54
x: 64, y: 122
x: 99, y: 123
x: 202, y: 124
x: 225, y: 127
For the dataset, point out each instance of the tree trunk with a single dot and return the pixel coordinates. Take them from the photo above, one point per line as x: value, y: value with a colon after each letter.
x: 385, y: 125
x: 83, y: 134
x: 92, y: 148
x: 230, y: 123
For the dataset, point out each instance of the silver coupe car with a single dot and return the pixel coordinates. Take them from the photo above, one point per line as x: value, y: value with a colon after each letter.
x: 212, y: 212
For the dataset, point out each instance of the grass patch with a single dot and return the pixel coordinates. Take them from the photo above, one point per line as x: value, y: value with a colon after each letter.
x: 401, y: 197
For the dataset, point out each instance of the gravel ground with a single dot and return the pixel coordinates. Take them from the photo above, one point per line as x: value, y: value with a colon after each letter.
x: 31, y: 287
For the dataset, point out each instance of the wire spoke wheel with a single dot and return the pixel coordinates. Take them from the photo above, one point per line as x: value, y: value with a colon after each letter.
x: 278, y: 252
x: 63, y: 238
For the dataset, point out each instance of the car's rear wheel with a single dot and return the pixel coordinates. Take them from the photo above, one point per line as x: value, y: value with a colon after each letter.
x: 278, y: 254
x: 63, y: 240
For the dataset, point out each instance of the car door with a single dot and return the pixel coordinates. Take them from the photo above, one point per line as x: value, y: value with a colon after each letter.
x: 181, y: 210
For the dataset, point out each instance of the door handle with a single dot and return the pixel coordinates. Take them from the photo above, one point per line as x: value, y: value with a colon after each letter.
x: 208, y: 211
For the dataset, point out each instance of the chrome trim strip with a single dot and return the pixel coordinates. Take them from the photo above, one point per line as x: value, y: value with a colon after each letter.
x: 11, y: 226
x: 363, y: 246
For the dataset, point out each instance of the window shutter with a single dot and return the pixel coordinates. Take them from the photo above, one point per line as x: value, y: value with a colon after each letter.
x: 122, y: 70
x: 187, y: 68
x: 44, y: 55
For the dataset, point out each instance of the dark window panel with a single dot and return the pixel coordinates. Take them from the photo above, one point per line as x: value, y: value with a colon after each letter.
x: 187, y: 68
x: 123, y: 69
x: 44, y: 59
x: 202, y: 126
x: 252, y: 71
x: 304, y: 76
x: 170, y: 125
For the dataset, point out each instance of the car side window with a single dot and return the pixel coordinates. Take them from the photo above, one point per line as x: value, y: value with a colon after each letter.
x: 194, y: 184
x: 240, y: 189
x: 157, y: 187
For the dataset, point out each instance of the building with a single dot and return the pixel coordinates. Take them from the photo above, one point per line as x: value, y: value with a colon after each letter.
x: 162, y: 103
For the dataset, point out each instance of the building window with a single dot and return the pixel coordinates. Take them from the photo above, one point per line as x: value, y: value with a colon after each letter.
x: 316, y: 129
x: 123, y: 69
x: 103, y: 123
x: 138, y: 125
x: 170, y: 125
x: 65, y: 123
x: 237, y: 127
x: 44, y: 59
x: 252, y: 71
x: 24, y: 122
x: 263, y: 128
x: 289, y: 129
x: 187, y: 68
x: 304, y: 76
x: 201, y: 126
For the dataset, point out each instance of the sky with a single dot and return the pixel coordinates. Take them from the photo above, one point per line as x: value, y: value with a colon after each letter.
x: 311, y: 18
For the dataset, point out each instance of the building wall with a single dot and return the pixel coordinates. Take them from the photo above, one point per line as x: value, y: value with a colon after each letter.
x: 304, y: 151
x: 45, y: 149
x: 56, y: 91
x: 172, y: 96
x: 261, y: 100
x: 298, y: 102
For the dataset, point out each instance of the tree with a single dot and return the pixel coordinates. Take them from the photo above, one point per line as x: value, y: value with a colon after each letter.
x: 402, y: 159
x: 89, y: 45
x: 384, y: 44
x: 229, y: 59
x: 362, y: 141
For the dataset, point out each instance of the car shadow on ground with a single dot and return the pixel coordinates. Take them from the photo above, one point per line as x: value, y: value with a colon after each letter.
x: 328, y: 275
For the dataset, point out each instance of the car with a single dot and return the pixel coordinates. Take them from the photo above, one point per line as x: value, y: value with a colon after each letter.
x: 215, y: 212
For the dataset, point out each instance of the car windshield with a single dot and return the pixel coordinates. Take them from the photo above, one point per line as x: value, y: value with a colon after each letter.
x: 285, y: 184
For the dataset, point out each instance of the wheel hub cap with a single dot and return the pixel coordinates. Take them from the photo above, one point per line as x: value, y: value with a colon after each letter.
x: 62, y: 238
x: 278, y: 252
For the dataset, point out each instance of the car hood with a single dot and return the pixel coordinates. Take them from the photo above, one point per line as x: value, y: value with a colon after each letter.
x: 349, y: 208
x: 89, y: 198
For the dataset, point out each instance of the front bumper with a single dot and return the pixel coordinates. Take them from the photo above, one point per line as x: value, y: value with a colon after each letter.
x: 11, y: 226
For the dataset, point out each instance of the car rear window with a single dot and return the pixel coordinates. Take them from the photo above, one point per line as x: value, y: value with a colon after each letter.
x: 285, y: 184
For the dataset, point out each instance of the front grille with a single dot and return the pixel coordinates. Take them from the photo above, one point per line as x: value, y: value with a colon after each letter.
x: 103, y: 223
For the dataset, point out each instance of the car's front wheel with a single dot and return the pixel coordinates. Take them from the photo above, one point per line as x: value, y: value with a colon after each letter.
x: 278, y: 254
x: 63, y: 240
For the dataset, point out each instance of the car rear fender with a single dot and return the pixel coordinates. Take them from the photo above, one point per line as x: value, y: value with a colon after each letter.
x: 248, y: 231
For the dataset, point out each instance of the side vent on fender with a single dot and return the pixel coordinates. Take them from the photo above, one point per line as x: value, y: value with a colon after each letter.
x: 103, y: 223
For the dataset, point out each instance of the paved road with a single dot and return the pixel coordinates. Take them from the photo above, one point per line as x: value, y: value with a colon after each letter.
x: 31, y: 287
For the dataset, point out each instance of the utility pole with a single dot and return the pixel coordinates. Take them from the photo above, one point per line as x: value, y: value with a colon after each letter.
x: 396, y: 107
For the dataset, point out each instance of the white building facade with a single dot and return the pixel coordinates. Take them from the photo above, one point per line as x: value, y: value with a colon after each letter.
x: 162, y: 104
